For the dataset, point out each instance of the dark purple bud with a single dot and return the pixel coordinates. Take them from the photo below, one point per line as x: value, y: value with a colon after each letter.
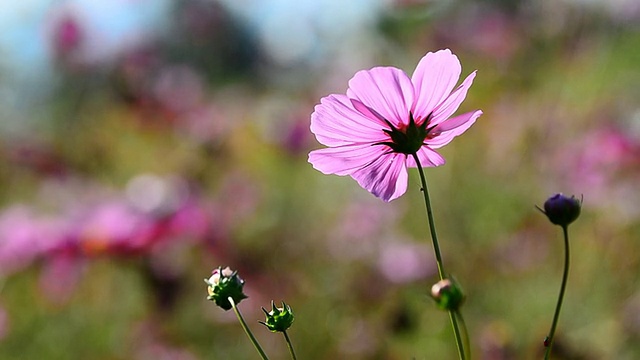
x: 562, y: 210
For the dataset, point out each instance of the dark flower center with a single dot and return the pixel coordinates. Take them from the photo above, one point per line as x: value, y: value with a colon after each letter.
x: 407, y: 140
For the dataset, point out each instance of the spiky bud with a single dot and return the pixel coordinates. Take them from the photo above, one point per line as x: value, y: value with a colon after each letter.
x: 278, y: 319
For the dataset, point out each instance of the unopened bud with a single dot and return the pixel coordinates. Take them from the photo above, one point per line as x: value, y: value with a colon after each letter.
x: 562, y: 210
x: 447, y: 294
x: 278, y: 319
x: 224, y: 284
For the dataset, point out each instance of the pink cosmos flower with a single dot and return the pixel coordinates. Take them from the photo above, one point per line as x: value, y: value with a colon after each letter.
x: 373, y: 131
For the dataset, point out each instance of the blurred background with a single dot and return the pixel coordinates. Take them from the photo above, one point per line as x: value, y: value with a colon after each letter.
x: 144, y: 143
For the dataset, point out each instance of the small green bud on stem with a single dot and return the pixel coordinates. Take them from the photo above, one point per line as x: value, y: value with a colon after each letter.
x: 278, y: 319
x: 448, y: 295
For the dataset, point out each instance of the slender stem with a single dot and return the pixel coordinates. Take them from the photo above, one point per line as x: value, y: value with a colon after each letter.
x: 436, y: 249
x: 456, y: 333
x: 463, y: 326
x: 247, y: 331
x: 565, y: 275
x: 293, y: 354
x: 432, y: 225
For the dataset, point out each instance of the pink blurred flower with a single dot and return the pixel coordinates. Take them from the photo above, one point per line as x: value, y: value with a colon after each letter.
x: 605, y: 164
x: 601, y: 156
x: 386, y: 116
x: 191, y: 221
x: 404, y: 262
x: 67, y: 36
x: 25, y: 237
x: 115, y: 228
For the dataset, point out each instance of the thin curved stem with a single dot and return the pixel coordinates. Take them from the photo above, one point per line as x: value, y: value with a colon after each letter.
x: 436, y: 250
x: 293, y: 354
x: 247, y: 331
x: 549, y: 340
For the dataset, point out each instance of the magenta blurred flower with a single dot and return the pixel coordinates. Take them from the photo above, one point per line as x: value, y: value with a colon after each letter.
x: 25, y: 237
x: 115, y: 227
x: 67, y: 36
x: 385, y: 117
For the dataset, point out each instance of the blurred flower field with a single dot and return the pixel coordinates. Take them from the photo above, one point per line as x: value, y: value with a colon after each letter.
x: 144, y: 144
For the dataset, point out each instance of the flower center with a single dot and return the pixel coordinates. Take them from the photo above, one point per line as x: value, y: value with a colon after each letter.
x: 407, y: 139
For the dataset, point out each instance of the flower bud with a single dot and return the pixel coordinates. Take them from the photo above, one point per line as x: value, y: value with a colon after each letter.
x: 224, y: 284
x: 447, y: 294
x: 278, y: 319
x: 562, y: 210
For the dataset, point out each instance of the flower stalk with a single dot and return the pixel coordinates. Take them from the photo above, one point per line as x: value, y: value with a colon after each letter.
x: 289, y: 345
x: 548, y: 341
x: 246, y: 329
x: 454, y: 314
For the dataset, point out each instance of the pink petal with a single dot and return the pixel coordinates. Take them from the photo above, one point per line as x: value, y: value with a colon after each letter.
x: 386, y: 90
x: 344, y: 160
x: 368, y: 112
x: 452, y: 128
x: 434, y: 78
x: 336, y: 122
x: 449, y: 125
x: 448, y: 107
x: 428, y: 158
x: 386, y: 177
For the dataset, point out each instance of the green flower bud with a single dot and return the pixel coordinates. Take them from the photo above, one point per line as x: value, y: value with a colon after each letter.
x: 224, y: 284
x: 278, y: 319
x: 448, y: 295
x: 562, y: 210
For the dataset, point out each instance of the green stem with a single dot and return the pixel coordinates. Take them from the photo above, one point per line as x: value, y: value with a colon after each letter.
x: 247, y: 331
x: 456, y: 333
x: 565, y: 275
x: 463, y: 325
x: 293, y: 354
x: 432, y: 225
x: 436, y: 249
